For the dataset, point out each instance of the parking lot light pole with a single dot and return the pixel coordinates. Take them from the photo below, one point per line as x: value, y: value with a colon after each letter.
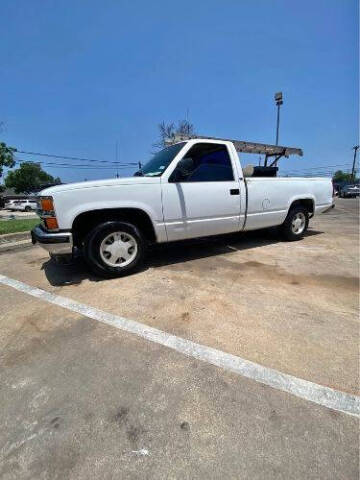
x: 355, y: 148
x: 279, y: 101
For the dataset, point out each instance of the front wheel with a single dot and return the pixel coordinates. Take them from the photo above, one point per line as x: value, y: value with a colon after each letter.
x: 114, y: 249
x: 27, y: 209
x: 296, y: 223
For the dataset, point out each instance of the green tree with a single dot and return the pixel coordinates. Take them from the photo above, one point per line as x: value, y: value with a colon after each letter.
x: 6, y: 157
x: 28, y: 178
x: 169, y: 131
x: 340, y: 176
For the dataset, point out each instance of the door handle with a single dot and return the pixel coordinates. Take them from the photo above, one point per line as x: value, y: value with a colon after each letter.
x: 234, y: 191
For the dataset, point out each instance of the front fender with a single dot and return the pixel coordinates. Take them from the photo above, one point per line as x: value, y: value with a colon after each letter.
x: 69, y: 204
x: 114, y: 205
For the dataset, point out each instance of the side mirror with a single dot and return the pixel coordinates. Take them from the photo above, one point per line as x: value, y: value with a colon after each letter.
x: 183, y: 169
x: 248, y: 171
x: 185, y: 166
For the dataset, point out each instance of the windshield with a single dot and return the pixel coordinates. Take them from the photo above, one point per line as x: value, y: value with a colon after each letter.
x: 161, y: 160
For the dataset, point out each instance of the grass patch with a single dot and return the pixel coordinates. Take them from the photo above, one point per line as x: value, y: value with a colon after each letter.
x: 13, y: 226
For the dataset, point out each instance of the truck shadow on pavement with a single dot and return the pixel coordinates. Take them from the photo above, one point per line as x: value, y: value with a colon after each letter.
x: 73, y: 273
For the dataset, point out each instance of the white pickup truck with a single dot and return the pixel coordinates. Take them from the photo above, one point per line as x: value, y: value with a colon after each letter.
x: 193, y: 188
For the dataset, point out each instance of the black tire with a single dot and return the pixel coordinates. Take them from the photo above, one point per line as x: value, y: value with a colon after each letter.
x: 27, y: 209
x: 287, y: 228
x: 95, y: 259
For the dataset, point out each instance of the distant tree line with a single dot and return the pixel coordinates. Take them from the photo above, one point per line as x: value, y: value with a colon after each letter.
x: 29, y: 177
x: 343, y: 177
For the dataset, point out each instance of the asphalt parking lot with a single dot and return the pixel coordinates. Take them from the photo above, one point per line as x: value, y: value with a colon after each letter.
x: 83, y: 399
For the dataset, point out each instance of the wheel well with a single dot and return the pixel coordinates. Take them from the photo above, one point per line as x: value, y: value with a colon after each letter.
x: 305, y: 202
x: 86, y: 221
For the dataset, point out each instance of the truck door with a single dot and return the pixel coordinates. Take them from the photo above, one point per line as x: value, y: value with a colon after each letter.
x: 202, y: 194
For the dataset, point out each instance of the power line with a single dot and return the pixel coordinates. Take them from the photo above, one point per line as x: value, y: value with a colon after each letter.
x: 308, y: 173
x: 321, y: 167
x: 117, y: 165
x: 84, y: 167
x: 70, y: 158
x: 66, y: 165
x: 136, y: 163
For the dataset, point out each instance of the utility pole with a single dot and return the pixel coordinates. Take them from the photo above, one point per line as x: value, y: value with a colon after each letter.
x: 355, y: 148
x: 116, y: 157
x: 279, y: 101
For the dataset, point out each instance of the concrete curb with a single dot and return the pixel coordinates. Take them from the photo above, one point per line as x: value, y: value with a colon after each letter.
x: 14, y: 241
x: 12, y: 237
x: 8, y: 246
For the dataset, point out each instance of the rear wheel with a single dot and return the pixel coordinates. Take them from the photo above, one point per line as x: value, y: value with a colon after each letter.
x: 114, y: 249
x: 27, y: 209
x: 296, y: 223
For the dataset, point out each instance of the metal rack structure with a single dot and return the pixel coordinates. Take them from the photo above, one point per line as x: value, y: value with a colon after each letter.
x: 268, y: 150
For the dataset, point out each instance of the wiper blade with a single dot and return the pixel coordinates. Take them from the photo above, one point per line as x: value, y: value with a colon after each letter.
x: 139, y: 173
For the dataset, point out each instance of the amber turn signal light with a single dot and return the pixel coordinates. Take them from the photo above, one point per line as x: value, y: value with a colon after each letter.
x: 47, y: 204
x: 51, y: 223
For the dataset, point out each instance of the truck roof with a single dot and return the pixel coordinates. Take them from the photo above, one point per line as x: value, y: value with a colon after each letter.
x: 242, y: 146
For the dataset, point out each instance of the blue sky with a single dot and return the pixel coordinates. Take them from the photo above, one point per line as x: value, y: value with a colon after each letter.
x: 78, y: 76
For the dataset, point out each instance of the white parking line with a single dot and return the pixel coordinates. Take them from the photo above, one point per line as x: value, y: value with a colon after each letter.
x: 325, y: 396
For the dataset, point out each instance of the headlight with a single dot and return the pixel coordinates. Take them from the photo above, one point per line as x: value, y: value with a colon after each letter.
x: 47, y: 213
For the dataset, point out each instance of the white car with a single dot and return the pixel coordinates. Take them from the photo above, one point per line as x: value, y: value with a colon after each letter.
x: 22, y: 205
x: 9, y: 204
x: 193, y: 188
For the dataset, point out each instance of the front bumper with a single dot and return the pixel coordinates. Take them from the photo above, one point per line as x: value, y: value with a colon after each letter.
x: 55, y: 243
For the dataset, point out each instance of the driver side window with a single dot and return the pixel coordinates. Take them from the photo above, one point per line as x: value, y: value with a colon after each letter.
x: 207, y: 162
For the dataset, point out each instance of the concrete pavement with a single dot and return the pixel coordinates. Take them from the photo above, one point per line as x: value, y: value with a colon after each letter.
x: 81, y: 400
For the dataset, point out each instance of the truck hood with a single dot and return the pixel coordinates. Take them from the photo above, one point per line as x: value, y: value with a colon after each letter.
x: 99, y: 183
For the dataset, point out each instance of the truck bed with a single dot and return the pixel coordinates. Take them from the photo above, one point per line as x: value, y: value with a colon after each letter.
x: 269, y: 198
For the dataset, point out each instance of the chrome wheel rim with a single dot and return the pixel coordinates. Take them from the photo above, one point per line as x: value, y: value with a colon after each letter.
x: 118, y: 249
x: 298, y: 223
